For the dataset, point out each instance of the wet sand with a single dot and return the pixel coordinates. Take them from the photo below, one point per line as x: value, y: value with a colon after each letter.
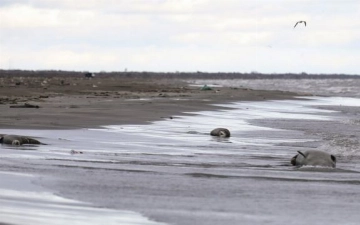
x: 77, y: 102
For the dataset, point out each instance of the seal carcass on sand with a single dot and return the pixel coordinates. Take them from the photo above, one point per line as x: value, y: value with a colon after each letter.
x: 314, y: 158
x: 18, y: 140
x: 220, y: 132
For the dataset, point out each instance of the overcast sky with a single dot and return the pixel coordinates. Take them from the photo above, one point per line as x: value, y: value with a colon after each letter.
x: 181, y: 35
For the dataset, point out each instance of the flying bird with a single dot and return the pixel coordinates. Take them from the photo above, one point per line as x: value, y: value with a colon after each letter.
x: 301, y: 21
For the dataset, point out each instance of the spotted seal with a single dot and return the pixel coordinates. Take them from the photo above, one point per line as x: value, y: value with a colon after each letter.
x: 18, y: 140
x: 314, y: 158
x: 220, y: 132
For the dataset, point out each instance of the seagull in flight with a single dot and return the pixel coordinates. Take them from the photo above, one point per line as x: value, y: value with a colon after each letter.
x: 301, y: 21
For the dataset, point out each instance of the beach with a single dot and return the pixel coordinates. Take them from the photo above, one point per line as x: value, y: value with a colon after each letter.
x: 143, y: 153
x: 79, y: 102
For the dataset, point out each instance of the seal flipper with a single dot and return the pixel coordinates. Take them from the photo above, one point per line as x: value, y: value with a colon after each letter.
x: 301, y: 154
x: 333, y: 158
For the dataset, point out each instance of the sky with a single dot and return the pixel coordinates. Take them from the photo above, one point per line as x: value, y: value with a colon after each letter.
x: 181, y: 35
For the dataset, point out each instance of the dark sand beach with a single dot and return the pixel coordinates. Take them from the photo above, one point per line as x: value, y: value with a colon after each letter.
x: 77, y: 102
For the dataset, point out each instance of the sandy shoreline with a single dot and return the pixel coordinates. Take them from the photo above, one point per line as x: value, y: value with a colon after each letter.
x: 166, y: 172
x: 77, y: 102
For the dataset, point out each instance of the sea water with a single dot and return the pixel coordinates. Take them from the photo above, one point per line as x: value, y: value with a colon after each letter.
x: 172, y: 171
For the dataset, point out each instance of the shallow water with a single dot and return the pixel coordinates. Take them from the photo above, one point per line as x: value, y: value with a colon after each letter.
x: 24, y: 203
x: 173, y: 171
x: 327, y: 87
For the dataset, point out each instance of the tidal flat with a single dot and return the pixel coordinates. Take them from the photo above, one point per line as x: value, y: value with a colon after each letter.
x: 169, y: 170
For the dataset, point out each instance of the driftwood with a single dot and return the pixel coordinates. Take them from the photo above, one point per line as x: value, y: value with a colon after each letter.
x: 26, y: 105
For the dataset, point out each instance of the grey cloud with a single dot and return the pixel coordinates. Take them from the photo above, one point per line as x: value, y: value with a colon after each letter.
x: 4, y: 3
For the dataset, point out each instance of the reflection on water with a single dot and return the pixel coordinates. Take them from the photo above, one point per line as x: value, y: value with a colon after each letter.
x: 167, y: 169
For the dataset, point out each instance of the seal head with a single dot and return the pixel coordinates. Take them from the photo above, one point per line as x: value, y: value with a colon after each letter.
x: 220, y: 132
x: 314, y: 158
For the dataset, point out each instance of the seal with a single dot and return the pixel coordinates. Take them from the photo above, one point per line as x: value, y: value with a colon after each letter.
x: 314, y: 158
x: 220, y: 132
x: 18, y: 140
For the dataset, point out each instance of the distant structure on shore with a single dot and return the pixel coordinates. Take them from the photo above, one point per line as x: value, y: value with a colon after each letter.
x: 89, y: 75
x: 301, y: 21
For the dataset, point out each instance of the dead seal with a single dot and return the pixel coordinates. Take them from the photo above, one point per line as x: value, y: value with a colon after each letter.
x: 18, y: 140
x: 314, y: 158
x: 220, y: 132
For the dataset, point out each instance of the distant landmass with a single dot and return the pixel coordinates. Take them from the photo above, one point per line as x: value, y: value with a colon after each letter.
x: 182, y: 75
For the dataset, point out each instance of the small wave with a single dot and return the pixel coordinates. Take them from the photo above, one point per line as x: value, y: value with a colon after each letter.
x: 343, y: 147
x: 207, y: 175
x: 289, y: 179
x: 316, y: 168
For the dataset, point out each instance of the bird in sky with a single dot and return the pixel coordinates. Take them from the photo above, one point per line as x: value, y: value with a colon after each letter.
x: 301, y: 21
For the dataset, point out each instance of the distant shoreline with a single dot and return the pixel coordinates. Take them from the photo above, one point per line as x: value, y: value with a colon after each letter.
x: 177, y: 75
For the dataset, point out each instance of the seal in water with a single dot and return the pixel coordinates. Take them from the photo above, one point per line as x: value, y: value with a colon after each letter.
x: 18, y: 140
x: 220, y: 132
x: 314, y: 158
